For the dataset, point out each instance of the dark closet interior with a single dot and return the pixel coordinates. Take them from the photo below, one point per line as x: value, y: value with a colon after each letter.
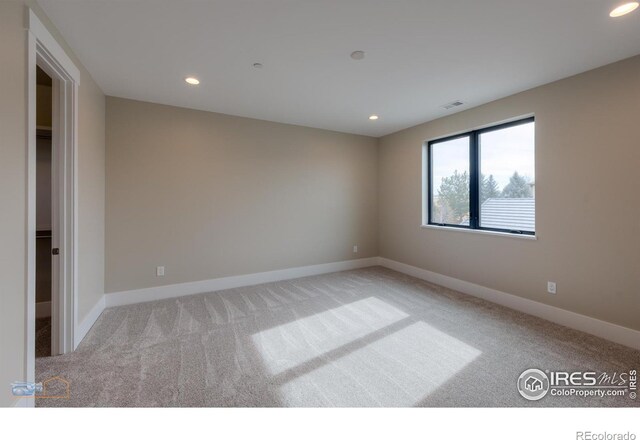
x: 44, y: 108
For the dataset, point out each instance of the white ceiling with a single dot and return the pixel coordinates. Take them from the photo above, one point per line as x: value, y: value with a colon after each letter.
x: 420, y: 54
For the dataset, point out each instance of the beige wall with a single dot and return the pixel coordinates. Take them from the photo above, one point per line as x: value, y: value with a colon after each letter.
x: 588, y: 207
x: 209, y: 195
x: 13, y: 196
x: 13, y: 126
x: 91, y: 194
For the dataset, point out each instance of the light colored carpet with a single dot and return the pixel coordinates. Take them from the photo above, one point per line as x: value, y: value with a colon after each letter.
x: 368, y: 337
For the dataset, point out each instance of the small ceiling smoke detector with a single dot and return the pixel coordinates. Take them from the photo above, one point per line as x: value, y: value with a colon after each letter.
x: 257, y: 65
x: 357, y: 55
x: 452, y: 105
x: 193, y: 81
x: 624, y: 9
x: 373, y: 117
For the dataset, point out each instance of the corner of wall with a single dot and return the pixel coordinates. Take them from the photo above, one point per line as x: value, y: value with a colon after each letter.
x: 83, y: 327
x: 378, y: 187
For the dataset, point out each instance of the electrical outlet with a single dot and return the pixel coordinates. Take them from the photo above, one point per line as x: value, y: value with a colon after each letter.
x: 551, y: 287
x: 355, y: 248
x: 160, y: 271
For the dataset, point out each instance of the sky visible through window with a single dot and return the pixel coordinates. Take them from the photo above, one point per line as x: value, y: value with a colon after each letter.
x: 505, y: 152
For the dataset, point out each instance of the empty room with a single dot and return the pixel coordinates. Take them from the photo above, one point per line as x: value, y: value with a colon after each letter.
x: 322, y: 204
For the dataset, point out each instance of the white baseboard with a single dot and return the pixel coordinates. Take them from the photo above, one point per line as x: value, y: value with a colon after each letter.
x: 212, y: 285
x: 603, y: 329
x: 83, y: 328
x: 43, y: 309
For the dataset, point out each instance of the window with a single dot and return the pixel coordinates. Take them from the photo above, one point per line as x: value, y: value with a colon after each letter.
x: 484, y: 179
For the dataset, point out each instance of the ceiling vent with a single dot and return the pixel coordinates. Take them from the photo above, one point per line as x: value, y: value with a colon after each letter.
x: 452, y: 105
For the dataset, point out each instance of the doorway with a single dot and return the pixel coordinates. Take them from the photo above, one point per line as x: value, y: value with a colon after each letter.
x: 52, y: 196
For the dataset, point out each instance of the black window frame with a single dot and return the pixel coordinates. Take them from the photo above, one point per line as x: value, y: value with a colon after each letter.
x: 474, y: 177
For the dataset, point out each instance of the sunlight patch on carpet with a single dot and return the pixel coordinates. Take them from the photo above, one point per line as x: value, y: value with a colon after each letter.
x: 289, y: 345
x: 400, y: 369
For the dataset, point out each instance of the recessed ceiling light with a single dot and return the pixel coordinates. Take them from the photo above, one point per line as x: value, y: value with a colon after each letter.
x: 257, y: 65
x: 193, y: 81
x: 624, y: 9
x: 373, y: 117
x: 357, y: 55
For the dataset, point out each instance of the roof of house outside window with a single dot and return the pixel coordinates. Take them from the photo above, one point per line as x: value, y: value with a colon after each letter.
x: 511, y: 214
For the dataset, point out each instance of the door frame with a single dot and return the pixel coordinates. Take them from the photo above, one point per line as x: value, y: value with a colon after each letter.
x: 44, y: 51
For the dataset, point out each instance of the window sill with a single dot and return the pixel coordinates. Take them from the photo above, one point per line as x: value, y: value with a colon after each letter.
x: 481, y: 232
